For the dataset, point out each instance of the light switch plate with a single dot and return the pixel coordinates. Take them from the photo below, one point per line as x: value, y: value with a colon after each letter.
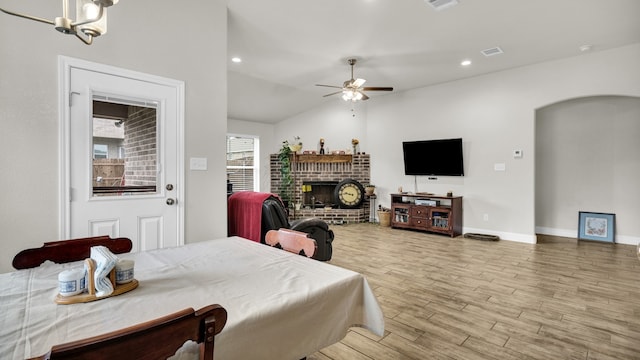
x: 517, y: 154
x: 499, y: 167
x: 198, y: 164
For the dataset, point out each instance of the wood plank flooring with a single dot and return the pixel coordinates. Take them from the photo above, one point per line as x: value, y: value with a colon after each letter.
x: 459, y: 298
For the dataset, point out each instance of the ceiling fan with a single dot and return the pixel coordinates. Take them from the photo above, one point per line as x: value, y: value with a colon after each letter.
x: 352, y: 89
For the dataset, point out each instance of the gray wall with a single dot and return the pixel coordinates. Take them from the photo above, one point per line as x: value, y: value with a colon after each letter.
x: 494, y: 114
x: 164, y: 38
x: 588, y: 159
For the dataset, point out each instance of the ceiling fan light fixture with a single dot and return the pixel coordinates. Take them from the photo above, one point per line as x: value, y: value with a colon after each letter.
x: 352, y: 95
x: 359, y: 82
x: 352, y: 89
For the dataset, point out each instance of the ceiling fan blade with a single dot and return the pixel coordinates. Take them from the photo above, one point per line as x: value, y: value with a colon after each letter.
x: 364, y: 96
x: 333, y: 93
x: 331, y: 86
x: 377, y: 88
x: 358, y: 82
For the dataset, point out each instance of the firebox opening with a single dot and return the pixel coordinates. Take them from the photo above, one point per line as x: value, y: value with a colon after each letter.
x: 319, y: 194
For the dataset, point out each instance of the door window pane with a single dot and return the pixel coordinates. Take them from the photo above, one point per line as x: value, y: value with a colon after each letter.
x: 124, y: 149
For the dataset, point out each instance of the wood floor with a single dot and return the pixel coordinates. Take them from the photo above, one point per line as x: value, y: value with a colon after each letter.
x: 459, y: 298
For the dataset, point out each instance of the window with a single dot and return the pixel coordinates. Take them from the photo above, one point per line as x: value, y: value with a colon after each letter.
x: 100, y: 151
x: 242, y: 163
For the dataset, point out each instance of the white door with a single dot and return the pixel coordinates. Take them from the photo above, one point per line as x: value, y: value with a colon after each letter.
x: 124, y: 156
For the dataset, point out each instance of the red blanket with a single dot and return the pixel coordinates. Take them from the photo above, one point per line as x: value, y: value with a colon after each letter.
x: 245, y: 214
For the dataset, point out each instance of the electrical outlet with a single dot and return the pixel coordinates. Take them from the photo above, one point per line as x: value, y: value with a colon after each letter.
x: 486, y: 217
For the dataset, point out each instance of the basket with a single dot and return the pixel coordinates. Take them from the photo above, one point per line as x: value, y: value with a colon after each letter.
x: 385, y: 218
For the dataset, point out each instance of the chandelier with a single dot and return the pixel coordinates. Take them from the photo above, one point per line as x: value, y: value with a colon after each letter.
x: 90, y: 22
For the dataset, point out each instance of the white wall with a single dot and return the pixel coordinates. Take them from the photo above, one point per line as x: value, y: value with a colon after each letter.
x: 29, y: 106
x: 265, y: 133
x: 338, y: 122
x: 588, y: 159
x: 494, y: 114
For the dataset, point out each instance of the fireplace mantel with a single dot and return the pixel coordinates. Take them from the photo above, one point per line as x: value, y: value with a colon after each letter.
x: 315, y: 158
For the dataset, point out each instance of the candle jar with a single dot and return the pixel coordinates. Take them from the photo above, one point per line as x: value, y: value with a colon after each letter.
x: 124, y: 271
x: 71, y: 282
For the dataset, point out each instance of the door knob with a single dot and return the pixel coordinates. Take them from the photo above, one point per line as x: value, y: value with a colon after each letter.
x: 171, y: 201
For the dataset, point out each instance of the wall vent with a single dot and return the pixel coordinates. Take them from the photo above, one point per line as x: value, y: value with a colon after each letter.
x: 492, y: 51
x: 441, y: 4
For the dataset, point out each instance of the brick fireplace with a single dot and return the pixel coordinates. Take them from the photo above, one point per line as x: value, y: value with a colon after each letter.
x: 320, y: 174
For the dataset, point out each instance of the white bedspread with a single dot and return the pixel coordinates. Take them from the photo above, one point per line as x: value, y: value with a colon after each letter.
x: 280, y: 305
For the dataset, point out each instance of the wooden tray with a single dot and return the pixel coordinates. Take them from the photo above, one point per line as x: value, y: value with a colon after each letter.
x: 91, y: 295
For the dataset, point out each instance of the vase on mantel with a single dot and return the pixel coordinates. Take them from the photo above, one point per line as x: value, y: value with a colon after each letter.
x: 295, y: 147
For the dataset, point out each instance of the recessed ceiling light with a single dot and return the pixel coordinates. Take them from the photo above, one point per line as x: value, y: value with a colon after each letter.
x: 586, y: 47
x: 465, y: 62
x: 236, y: 59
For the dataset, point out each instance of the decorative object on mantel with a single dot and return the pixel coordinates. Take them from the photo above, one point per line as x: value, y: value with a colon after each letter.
x: 449, y: 193
x: 354, y: 143
x: 296, y: 145
x: 369, y: 189
x: 91, y: 19
x: 321, y: 146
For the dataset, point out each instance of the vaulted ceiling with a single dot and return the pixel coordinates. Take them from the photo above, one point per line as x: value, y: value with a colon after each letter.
x: 288, y: 46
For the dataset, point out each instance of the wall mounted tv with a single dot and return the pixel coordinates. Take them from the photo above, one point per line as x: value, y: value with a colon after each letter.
x: 433, y: 157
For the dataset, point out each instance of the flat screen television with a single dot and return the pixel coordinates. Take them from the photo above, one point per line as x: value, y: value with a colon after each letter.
x: 433, y: 157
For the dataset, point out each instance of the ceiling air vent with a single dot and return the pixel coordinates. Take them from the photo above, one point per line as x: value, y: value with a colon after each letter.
x: 492, y: 51
x: 441, y: 4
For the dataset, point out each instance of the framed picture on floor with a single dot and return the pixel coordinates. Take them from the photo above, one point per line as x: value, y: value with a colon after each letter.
x: 596, y: 226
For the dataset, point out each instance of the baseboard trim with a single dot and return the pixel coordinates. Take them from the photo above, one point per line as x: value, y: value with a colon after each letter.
x: 620, y: 239
x: 557, y: 232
